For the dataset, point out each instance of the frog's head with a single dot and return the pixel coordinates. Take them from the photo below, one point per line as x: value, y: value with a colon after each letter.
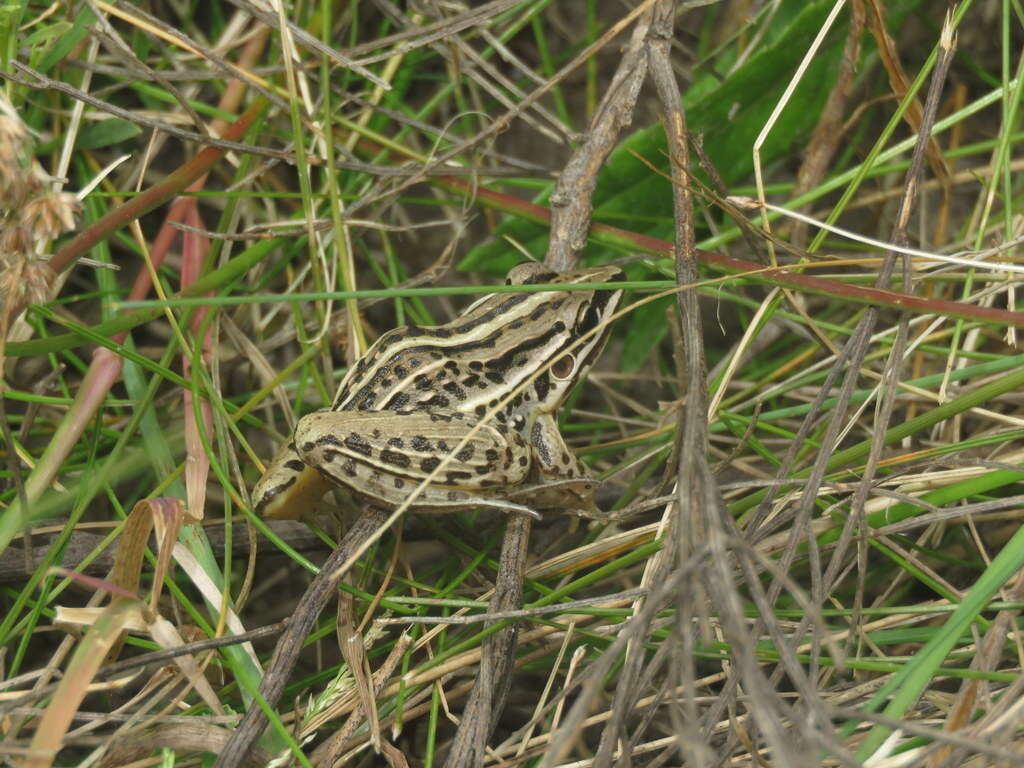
x: 562, y: 332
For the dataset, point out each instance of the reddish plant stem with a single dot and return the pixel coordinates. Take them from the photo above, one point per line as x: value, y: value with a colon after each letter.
x: 785, y: 277
x: 105, y: 367
x: 146, y: 201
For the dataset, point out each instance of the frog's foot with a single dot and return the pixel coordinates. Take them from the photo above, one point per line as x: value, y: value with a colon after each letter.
x: 573, y: 496
x: 509, y: 506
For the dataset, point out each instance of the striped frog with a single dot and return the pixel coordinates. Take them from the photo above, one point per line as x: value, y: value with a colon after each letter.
x: 409, y: 402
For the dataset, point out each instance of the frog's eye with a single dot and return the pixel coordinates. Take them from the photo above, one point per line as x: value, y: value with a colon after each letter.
x: 563, y: 367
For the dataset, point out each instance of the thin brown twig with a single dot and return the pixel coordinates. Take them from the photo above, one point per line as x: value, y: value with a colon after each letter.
x: 591, y: 681
x: 230, y: 71
x: 497, y: 657
x: 571, y: 197
x: 419, y: 36
x: 287, y: 650
x: 303, y: 38
x: 40, y: 81
x: 138, y: 69
x: 699, y: 513
x: 892, y: 372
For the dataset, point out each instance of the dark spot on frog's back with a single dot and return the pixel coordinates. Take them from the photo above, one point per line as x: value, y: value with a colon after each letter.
x: 356, y: 442
x: 327, y: 439
x: 394, y: 458
x: 465, y: 454
x: 429, y: 464
x: 361, y: 402
x: 437, y: 401
x: 453, y: 476
x: 420, y: 443
x: 295, y: 465
x: 400, y: 372
x: 397, y: 402
x: 396, y: 442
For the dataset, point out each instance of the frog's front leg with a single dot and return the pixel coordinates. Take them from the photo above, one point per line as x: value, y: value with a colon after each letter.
x: 559, y: 479
x: 382, y: 456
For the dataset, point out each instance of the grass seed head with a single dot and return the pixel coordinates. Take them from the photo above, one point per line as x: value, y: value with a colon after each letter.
x: 50, y: 214
x: 32, y: 213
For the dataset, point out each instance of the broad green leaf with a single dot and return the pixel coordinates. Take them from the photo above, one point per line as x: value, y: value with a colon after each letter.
x: 647, y: 327
x: 106, y: 133
x: 65, y: 44
x: 46, y: 33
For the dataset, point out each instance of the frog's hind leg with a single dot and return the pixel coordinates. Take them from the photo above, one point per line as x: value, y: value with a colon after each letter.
x: 384, y: 456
